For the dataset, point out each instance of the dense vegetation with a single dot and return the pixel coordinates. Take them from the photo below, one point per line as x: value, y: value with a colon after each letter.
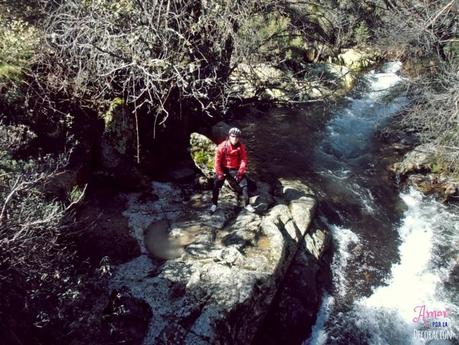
x: 66, y: 63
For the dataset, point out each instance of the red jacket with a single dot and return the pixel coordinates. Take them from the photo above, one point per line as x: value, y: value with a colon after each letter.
x: 231, y: 157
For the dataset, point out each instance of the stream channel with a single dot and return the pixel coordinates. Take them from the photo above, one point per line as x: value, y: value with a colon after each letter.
x: 395, y: 267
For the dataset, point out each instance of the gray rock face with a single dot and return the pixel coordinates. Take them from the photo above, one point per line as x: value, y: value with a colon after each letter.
x: 421, y: 168
x: 210, y: 279
x: 417, y: 160
x: 297, y: 301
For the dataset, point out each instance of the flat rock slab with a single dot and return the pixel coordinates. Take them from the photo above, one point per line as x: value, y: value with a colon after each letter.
x: 209, y: 279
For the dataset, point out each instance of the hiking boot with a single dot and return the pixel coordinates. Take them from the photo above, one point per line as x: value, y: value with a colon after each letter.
x: 250, y: 208
x: 213, y: 208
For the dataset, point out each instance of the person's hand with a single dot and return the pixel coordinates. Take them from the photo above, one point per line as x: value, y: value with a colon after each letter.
x: 220, y: 176
x: 239, y: 177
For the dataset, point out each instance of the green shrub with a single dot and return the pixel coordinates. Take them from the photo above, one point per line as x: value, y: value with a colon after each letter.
x: 202, y: 158
x: 18, y: 40
x: 361, y: 33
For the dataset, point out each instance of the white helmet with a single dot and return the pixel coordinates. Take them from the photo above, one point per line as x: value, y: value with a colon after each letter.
x: 235, y: 131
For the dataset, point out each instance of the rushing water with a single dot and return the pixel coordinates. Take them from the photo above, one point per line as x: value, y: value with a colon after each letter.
x: 422, y: 281
x: 396, y: 253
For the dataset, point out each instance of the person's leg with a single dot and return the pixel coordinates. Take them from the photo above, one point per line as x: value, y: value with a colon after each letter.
x: 235, y: 187
x: 216, y: 190
x: 245, y: 194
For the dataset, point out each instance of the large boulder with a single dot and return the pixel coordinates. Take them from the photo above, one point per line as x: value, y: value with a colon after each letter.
x: 202, y: 151
x: 421, y: 168
x: 213, y: 277
x: 294, y: 309
x: 117, y: 140
x: 117, y: 149
x: 418, y: 160
x: 442, y: 186
x: 357, y: 60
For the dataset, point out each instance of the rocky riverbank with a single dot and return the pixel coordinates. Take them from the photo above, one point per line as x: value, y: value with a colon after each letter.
x: 325, y: 80
x: 190, y: 277
x: 212, y: 278
x: 421, y: 169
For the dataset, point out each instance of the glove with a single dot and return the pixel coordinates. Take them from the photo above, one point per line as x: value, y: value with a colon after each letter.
x: 238, y: 177
x: 220, y: 176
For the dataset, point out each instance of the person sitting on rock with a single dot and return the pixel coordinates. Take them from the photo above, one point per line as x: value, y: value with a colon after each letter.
x: 231, y: 164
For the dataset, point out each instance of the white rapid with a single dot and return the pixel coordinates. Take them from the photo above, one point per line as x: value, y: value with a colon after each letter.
x: 419, y: 303
x: 415, y: 298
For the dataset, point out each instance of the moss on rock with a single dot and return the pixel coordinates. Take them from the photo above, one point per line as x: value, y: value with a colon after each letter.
x: 202, y: 152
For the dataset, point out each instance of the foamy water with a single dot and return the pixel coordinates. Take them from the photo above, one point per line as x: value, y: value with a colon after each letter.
x: 393, y: 313
x: 343, y: 238
x: 420, y: 282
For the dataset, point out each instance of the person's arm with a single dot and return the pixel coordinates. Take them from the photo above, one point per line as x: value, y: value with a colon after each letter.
x: 243, y: 165
x: 218, y: 163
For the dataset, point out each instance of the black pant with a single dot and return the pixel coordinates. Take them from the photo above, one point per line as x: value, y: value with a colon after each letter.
x: 231, y: 174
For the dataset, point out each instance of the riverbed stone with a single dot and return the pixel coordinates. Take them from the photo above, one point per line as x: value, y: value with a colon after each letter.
x: 225, y: 268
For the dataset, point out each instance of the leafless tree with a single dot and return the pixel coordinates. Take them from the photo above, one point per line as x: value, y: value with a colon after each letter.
x: 425, y: 35
x: 150, y: 52
x: 158, y: 56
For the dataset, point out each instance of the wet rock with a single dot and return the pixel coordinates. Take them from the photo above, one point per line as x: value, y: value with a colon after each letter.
x: 227, y: 268
x: 421, y: 182
x: 434, y: 184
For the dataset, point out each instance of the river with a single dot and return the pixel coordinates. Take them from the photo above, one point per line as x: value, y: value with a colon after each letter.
x: 396, y: 252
